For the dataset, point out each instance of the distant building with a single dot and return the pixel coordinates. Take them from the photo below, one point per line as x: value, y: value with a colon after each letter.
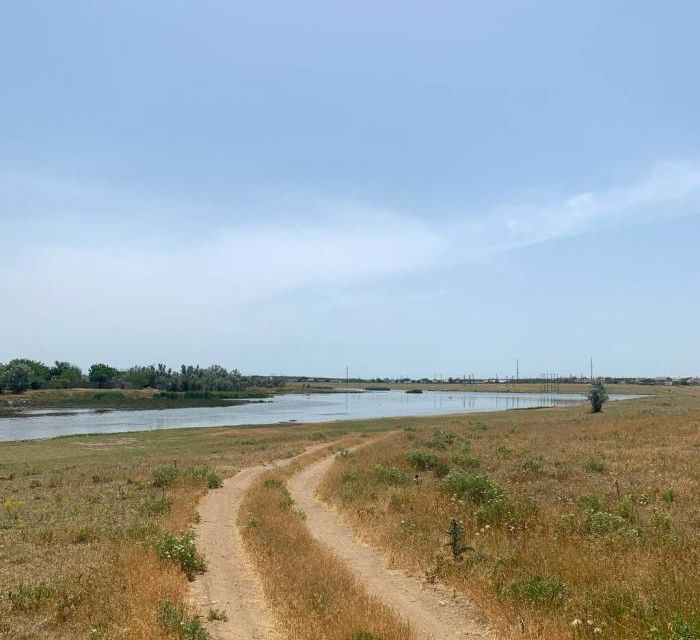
x: 663, y: 381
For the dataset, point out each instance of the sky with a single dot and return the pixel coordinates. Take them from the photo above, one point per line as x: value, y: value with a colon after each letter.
x: 404, y: 188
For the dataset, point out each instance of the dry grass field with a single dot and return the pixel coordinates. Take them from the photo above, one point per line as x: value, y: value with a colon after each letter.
x: 83, y: 521
x: 558, y: 523
x: 564, y: 524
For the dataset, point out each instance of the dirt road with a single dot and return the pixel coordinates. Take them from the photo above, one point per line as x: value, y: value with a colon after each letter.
x: 230, y: 582
x: 432, y: 610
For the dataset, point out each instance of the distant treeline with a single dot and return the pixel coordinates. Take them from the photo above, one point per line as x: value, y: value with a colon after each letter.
x: 21, y: 374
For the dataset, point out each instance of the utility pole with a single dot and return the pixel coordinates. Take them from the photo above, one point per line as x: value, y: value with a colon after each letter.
x: 591, y: 369
x: 517, y: 371
x: 347, y: 377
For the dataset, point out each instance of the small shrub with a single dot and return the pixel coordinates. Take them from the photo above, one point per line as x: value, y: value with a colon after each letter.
x: 365, y: 635
x: 669, y: 496
x: 493, y: 504
x: 503, y: 451
x: 27, y: 597
x: 660, y: 522
x: 390, y: 475
x: 214, y: 480
x: 174, y: 618
x: 422, y: 459
x: 538, y: 590
x: 157, y: 506
x: 273, y: 483
x: 165, y: 475
x: 600, y: 523
x: 478, y: 489
x: 12, y: 508
x: 440, y: 440
x: 180, y: 548
x: 594, y: 465
x: 591, y: 503
x: 216, y: 614
x: 681, y: 627
x: 84, y: 535
x: 535, y: 465
x: 318, y: 435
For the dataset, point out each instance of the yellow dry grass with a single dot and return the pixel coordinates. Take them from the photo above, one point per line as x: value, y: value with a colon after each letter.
x: 77, y: 516
x: 313, y: 593
x: 598, y: 519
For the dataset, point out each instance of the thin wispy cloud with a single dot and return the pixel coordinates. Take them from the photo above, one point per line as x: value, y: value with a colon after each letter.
x: 670, y: 189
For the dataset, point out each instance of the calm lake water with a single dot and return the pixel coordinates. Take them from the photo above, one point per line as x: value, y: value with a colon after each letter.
x: 279, y: 409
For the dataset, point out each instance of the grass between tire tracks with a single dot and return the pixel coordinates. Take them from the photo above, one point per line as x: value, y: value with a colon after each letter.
x: 313, y: 593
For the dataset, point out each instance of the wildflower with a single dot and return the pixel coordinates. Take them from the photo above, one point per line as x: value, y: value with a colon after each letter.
x: 597, y: 630
x: 575, y: 623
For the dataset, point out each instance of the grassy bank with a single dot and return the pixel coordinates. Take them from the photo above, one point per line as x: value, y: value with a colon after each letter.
x: 127, y: 399
x: 563, y: 524
x: 313, y: 592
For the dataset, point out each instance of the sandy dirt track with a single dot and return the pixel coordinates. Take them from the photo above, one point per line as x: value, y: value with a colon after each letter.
x: 230, y: 582
x: 432, y: 610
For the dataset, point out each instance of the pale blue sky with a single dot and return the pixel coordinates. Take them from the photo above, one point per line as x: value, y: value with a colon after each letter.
x: 408, y: 188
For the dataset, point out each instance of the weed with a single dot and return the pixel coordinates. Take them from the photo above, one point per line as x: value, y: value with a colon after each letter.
x: 12, y: 508
x: 681, y: 627
x: 165, y: 475
x: 180, y: 548
x: 590, y: 503
x: 365, y: 635
x: 669, y: 496
x: 594, y: 465
x: 318, y: 435
x: 348, y: 476
x: 503, y: 451
x: 26, y: 597
x: 465, y: 459
x: 84, y: 535
x: 440, y: 440
x: 214, y: 480
x: 216, y: 614
x: 155, y: 506
x: 390, y: 475
x: 422, y: 459
x: 176, y: 620
x: 455, y: 531
x: 538, y: 590
x: 493, y: 505
x: 534, y: 465
x: 600, y: 523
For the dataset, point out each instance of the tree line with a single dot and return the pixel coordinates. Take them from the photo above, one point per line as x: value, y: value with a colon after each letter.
x: 21, y: 374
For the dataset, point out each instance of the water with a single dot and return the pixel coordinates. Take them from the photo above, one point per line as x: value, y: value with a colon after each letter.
x: 280, y: 409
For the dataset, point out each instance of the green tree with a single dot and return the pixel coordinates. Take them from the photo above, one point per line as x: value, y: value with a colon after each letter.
x: 65, y: 374
x: 39, y: 371
x: 597, y: 395
x: 17, y: 376
x: 102, y: 374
